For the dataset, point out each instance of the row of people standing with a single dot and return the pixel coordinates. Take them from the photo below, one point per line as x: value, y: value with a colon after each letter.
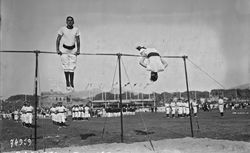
x: 180, y: 107
x: 80, y: 112
x: 58, y: 114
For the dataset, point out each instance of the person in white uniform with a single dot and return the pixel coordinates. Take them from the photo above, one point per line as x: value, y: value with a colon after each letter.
x: 173, y: 107
x: 16, y: 113
x: 152, y: 61
x: 29, y: 114
x: 68, y: 46
x: 53, y: 113
x: 167, y: 108
x: 183, y: 108
x: 195, y: 107
x: 86, y: 112
x: 73, y: 112
x: 23, y: 114
x: 221, y: 106
x: 61, y: 114
x: 77, y: 112
x: 186, y: 103
x: 179, y: 107
x: 81, y: 112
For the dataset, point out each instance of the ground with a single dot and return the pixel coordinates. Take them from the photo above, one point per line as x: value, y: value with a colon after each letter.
x: 211, y: 133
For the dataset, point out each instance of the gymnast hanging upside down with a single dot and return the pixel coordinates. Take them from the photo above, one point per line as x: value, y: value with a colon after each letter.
x: 152, y: 61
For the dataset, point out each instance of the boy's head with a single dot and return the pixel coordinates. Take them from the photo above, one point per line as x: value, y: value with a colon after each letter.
x: 140, y: 47
x: 70, y: 21
x: 154, y: 76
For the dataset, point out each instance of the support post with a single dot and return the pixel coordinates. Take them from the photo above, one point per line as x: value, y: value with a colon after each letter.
x: 36, y: 99
x: 120, y: 88
x: 188, y: 96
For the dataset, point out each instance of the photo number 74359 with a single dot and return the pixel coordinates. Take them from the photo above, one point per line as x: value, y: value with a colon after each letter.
x: 15, y: 142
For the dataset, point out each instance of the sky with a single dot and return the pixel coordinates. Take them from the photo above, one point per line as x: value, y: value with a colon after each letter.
x: 214, y: 34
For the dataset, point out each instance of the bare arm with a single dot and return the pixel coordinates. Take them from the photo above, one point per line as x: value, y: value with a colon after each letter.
x: 78, y: 45
x: 164, y: 63
x: 142, y: 62
x: 59, y: 37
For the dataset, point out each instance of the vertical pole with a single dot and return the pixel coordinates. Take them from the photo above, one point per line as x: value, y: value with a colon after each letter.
x: 236, y: 95
x: 164, y: 97
x: 190, y: 115
x: 130, y: 95
x: 1, y: 70
x: 126, y: 94
x: 154, y: 102
x: 102, y: 91
x: 102, y: 96
x: 36, y: 100
x: 120, y: 95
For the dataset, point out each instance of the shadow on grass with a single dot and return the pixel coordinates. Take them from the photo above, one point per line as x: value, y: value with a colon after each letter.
x: 86, y: 135
x: 143, y: 132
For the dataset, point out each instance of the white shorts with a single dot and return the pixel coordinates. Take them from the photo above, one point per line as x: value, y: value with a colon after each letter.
x: 155, y: 64
x: 195, y: 109
x: 29, y: 117
x: 173, y: 110
x: 68, y: 62
x: 61, y: 117
x: 221, y: 108
x: 167, y: 110
x: 68, y: 59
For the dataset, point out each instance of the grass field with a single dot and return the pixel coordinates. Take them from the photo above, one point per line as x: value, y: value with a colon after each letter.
x: 235, y: 125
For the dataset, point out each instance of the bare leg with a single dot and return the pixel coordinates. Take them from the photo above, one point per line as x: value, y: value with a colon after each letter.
x: 67, y: 78
x: 72, y: 79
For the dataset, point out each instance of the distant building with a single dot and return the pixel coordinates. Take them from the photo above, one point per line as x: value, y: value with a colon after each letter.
x: 53, y: 97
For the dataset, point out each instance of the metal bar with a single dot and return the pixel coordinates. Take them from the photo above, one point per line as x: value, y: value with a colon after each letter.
x: 36, y: 101
x: 15, y: 51
x: 105, y: 54
x: 120, y: 87
x: 173, y: 56
x: 47, y: 52
x: 190, y: 113
x: 133, y: 55
x: 101, y: 54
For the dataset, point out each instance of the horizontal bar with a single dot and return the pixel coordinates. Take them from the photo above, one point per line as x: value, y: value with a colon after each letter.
x: 101, y: 54
x: 175, y: 56
x: 15, y: 51
x: 161, y: 56
x: 130, y: 55
x: 47, y: 52
x: 105, y: 54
